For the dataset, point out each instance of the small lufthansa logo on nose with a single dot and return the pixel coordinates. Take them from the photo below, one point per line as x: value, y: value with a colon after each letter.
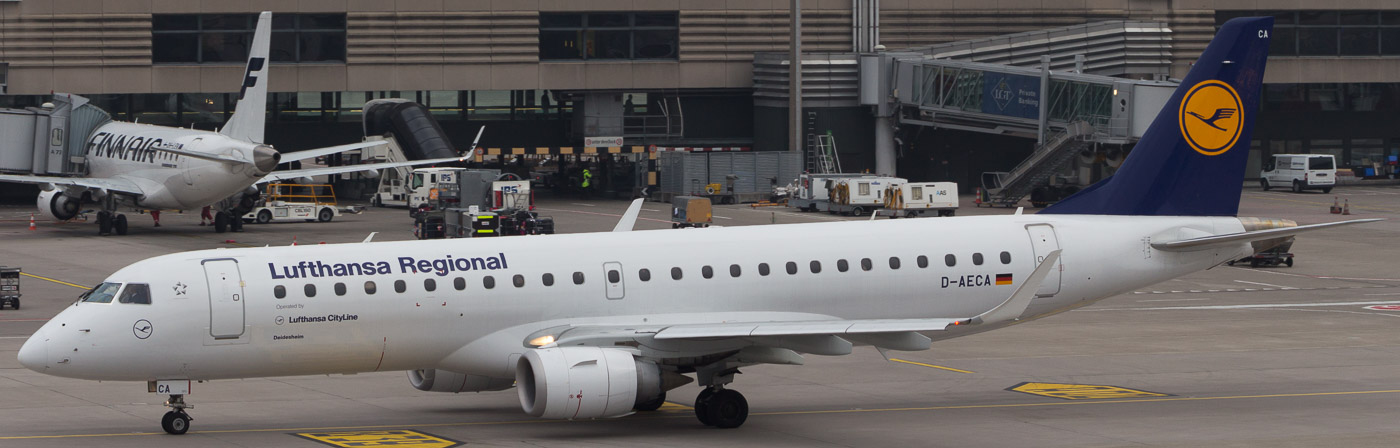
x: 1211, y: 117
x: 142, y: 329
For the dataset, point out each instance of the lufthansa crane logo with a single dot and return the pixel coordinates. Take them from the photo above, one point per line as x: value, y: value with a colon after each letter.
x: 1211, y: 117
x: 142, y: 329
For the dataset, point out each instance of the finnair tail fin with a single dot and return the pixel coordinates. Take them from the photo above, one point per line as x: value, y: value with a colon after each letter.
x: 1191, y: 161
x: 250, y: 115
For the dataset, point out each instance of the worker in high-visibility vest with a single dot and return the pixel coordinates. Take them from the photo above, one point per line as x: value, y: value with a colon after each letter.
x: 587, y: 183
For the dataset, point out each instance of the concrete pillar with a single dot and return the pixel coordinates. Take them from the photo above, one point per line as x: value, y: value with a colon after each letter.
x: 884, y: 146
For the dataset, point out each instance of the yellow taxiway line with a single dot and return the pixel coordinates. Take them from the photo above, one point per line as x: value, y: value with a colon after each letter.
x: 61, y: 282
x: 775, y: 413
x: 950, y: 369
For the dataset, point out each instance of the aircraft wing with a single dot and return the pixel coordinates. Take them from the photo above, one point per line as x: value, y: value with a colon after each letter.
x: 318, y: 152
x: 1209, y: 242
x: 109, y: 184
x: 375, y: 167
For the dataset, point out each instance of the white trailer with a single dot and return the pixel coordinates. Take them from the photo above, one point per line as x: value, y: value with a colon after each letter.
x: 811, y: 192
x: 859, y: 195
x: 914, y: 199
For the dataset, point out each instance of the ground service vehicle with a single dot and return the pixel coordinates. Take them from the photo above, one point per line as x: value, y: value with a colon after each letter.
x: 914, y: 199
x: 690, y: 211
x: 812, y: 189
x: 9, y: 287
x: 294, y: 202
x: 858, y: 196
x: 1300, y: 172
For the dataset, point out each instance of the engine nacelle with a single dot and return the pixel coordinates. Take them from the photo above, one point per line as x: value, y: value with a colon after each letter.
x: 438, y: 380
x: 584, y: 382
x: 56, y: 205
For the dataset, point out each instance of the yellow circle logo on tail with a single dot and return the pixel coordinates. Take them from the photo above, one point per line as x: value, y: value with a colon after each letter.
x: 1211, y: 117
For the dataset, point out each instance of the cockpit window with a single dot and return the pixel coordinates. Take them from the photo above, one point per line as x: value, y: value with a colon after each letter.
x: 136, y: 293
x: 102, y: 293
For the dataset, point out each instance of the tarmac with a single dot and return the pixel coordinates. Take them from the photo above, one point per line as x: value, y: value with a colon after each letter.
x: 1234, y: 356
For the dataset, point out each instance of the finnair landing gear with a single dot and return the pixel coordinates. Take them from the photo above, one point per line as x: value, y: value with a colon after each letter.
x: 717, y: 406
x: 177, y: 421
x: 227, y: 222
x: 107, y: 222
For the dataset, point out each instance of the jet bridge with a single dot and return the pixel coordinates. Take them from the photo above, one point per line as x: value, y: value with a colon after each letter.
x: 49, y: 140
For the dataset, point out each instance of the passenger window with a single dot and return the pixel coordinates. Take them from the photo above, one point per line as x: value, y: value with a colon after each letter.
x: 340, y: 289
x: 734, y: 270
x: 644, y: 275
x: 763, y: 269
x: 370, y: 288
x: 614, y: 276
x: 842, y: 265
x: 547, y: 279
x: 950, y: 260
x: 1006, y: 258
x: 977, y: 258
x: 675, y: 273
x: 400, y: 286
x: 279, y: 291
x: 459, y: 283
x: 866, y: 264
x: 923, y: 261
x: 429, y: 285
x: 136, y: 293
x: 488, y: 282
x: 518, y: 280
x: 707, y: 272
x: 578, y: 278
x: 894, y: 262
x: 791, y: 268
x: 310, y: 290
x: 816, y: 267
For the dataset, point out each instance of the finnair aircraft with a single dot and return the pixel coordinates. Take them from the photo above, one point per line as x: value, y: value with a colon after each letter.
x: 627, y: 317
x: 163, y: 168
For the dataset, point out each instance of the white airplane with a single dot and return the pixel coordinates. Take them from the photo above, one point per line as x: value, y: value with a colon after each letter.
x: 150, y: 167
x: 605, y: 324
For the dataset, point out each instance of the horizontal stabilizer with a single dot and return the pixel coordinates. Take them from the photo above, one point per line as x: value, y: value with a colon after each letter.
x: 1209, y: 242
x: 318, y: 152
x: 309, y: 172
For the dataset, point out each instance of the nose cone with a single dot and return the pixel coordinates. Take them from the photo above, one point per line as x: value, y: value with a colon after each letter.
x: 265, y: 158
x: 34, y: 354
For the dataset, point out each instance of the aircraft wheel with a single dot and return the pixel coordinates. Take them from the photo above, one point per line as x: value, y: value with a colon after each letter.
x: 119, y: 224
x: 728, y: 409
x: 104, y: 223
x: 235, y: 224
x: 702, y: 406
x: 16, y: 302
x: 264, y: 217
x: 221, y: 222
x: 1254, y: 263
x: 325, y: 215
x: 1288, y: 262
x: 175, y: 422
x: 652, y: 405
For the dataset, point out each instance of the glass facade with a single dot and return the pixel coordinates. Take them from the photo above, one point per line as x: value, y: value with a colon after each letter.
x: 225, y: 38
x: 610, y: 35
x: 1329, y: 33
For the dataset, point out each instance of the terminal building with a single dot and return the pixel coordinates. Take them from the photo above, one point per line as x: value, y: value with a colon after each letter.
x: 688, y: 73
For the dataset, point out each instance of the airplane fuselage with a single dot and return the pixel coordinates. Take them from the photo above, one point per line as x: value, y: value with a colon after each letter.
x: 128, y: 151
x: 198, y: 330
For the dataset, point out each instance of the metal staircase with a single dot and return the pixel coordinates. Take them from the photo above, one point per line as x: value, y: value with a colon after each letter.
x: 1043, y: 163
x: 821, y: 149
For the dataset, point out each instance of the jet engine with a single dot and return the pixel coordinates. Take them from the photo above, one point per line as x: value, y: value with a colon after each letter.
x: 585, y: 382
x: 438, y: 380
x: 56, y: 205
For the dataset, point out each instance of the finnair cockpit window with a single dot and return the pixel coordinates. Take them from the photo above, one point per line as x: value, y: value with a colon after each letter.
x: 136, y: 293
x: 102, y: 293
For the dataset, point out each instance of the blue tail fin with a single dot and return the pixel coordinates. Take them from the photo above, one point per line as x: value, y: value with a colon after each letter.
x: 1191, y: 161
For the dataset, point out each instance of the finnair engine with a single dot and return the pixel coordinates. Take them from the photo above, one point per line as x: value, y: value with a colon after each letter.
x: 438, y: 380
x: 584, y: 382
x: 56, y: 205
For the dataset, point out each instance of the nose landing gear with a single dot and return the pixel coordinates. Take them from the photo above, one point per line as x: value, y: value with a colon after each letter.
x: 176, y: 421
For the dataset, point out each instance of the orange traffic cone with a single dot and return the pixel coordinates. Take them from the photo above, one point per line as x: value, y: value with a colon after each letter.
x: 31, y: 222
x: 978, y: 201
x: 1336, y: 208
x: 1346, y: 207
x: 294, y: 240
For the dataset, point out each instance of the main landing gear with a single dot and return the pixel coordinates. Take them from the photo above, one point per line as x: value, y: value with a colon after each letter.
x: 227, y: 222
x: 108, y: 222
x: 717, y: 406
x: 176, y: 421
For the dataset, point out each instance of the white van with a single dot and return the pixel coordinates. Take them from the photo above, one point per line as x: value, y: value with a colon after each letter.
x: 1300, y: 172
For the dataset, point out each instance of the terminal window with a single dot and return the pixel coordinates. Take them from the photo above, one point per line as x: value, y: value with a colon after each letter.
x: 1328, y: 33
x: 226, y: 38
x: 610, y: 35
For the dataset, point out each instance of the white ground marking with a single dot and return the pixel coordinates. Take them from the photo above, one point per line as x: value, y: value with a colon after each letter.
x: 1171, y: 300
x: 1266, y: 284
x: 1237, y: 307
x: 580, y: 203
x: 1386, y: 294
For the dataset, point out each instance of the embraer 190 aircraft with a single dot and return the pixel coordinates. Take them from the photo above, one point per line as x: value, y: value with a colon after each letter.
x: 626, y: 317
x: 163, y: 168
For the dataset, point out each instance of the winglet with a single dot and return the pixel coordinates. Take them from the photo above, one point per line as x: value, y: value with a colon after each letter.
x: 475, y: 141
x: 1013, y: 307
x: 629, y: 219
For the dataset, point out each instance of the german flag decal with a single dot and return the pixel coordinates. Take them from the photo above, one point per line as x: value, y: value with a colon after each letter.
x: 1003, y: 279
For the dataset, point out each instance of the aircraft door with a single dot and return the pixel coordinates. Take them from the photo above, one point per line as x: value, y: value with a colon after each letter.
x: 1043, y: 241
x: 225, y: 298
x: 612, y: 276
